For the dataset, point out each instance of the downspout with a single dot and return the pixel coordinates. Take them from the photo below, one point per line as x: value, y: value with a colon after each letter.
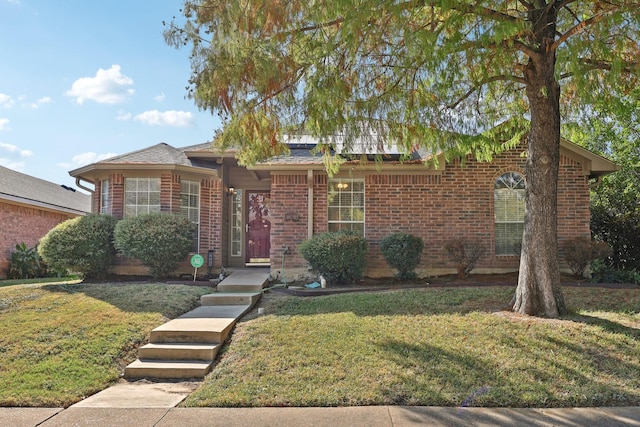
x: 78, y: 179
x: 310, y: 204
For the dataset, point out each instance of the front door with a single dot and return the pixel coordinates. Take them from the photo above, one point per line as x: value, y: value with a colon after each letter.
x: 258, y: 227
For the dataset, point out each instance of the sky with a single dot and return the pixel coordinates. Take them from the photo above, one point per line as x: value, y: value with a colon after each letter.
x: 84, y: 80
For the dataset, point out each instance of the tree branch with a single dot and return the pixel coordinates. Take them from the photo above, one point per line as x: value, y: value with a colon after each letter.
x: 484, y: 82
x: 578, y: 28
x: 314, y: 27
x: 592, y: 65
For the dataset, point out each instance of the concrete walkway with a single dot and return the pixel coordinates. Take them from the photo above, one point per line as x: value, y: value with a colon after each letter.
x: 365, y: 416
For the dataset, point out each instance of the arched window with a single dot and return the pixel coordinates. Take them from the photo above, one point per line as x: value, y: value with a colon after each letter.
x: 508, y: 199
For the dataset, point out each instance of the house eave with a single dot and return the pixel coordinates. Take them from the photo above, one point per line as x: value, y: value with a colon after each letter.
x: 593, y: 164
x: 40, y: 205
x: 91, y: 171
x: 372, y: 166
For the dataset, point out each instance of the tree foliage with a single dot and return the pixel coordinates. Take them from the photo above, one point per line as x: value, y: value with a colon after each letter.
x: 615, y: 200
x: 463, y: 77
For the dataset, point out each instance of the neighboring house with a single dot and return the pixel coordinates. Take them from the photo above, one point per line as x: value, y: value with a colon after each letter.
x: 258, y: 215
x: 30, y: 207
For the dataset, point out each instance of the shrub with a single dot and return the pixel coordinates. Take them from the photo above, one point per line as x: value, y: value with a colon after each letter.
x: 26, y: 263
x: 464, y: 254
x: 160, y: 240
x: 582, y: 251
x: 620, y: 228
x: 338, y: 256
x: 402, y: 252
x: 603, y: 273
x: 83, y: 244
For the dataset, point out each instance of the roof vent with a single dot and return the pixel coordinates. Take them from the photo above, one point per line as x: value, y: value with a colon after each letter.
x: 68, y: 188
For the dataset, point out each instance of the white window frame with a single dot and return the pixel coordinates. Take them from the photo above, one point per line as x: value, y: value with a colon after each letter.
x: 190, y: 206
x: 140, y: 189
x: 105, y: 197
x: 344, y: 213
x: 236, y: 231
x: 509, y: 191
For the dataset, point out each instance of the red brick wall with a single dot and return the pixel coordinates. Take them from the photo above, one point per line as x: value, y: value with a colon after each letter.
x: 211, y: 219
x: 456, y: 204
x: 21, y: 223
x: 289, y: 213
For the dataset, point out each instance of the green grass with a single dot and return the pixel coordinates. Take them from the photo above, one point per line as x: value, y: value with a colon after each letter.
x: 63, y: 342
x: 447, y: 346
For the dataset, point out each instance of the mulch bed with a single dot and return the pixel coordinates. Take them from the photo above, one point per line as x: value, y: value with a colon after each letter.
x: 370, y: 284
x: 382, y: 284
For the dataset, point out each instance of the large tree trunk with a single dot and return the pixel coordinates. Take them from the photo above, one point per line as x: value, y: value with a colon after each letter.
x: 538, y: 292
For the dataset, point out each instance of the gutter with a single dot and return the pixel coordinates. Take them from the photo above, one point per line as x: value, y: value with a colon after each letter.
x: 78, y: 179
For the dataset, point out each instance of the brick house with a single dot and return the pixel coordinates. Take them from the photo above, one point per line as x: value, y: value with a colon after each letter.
x: 30, y: 207
x: 258, y: 215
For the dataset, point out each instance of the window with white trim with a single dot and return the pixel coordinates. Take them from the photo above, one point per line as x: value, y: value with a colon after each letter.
x: 141, y: 196
x: 509, y: 201
x: 346, y: 205
x: 105, y: 199
x: 190, y: 206
x: 237, y: 229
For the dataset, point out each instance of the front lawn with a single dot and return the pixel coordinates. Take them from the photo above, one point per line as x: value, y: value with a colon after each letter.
x: 63, y: 342
x: 431, y: 346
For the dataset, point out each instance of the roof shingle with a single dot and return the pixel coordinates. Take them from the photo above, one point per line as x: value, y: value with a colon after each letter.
x: 30, y: 190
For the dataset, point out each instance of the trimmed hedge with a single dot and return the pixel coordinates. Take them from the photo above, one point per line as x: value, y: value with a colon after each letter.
x: 83, y: 244
x: 160, y: 240
x: 338, y: 256
x: 402, y: 251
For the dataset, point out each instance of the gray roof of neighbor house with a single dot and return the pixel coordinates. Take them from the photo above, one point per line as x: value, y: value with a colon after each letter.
x: 25, y: 189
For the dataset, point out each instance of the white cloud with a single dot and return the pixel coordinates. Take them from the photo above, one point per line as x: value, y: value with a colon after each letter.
x: 4, y: 124
x: 6, y: 101
x: 160, y: 97
x: 107, y: 87
x: 16, y: 166
x: 15, y: 150
x: 167, y: 118
x: 42, y: 101
x: 84, y: 159
x: 123, y: 116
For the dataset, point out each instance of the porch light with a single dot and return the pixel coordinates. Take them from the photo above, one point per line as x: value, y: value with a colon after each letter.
x: 231, y: 191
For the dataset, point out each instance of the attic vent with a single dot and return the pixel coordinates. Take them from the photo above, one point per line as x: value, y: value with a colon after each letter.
x: 68, y: 188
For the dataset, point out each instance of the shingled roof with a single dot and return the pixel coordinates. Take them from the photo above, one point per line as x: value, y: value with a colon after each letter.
x: 161, y: 153
x: 26, y: 189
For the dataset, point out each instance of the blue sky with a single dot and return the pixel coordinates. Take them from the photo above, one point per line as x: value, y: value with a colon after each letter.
x: 83, y: 80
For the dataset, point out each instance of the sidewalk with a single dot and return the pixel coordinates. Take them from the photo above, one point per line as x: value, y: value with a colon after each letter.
x: 364, y: 416
x: 145, y: 403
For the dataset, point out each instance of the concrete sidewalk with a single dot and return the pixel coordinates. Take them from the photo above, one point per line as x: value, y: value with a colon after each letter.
x: 365, y: 416
x: 145, y: 403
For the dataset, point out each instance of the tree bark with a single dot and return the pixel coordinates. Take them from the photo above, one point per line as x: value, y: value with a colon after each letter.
x: 538, y: 292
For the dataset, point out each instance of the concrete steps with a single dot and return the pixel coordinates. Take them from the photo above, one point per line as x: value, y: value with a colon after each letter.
x: 168, y: 369
x: 178, y: 351
x: 230, y: 298
x: 186, y: 346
